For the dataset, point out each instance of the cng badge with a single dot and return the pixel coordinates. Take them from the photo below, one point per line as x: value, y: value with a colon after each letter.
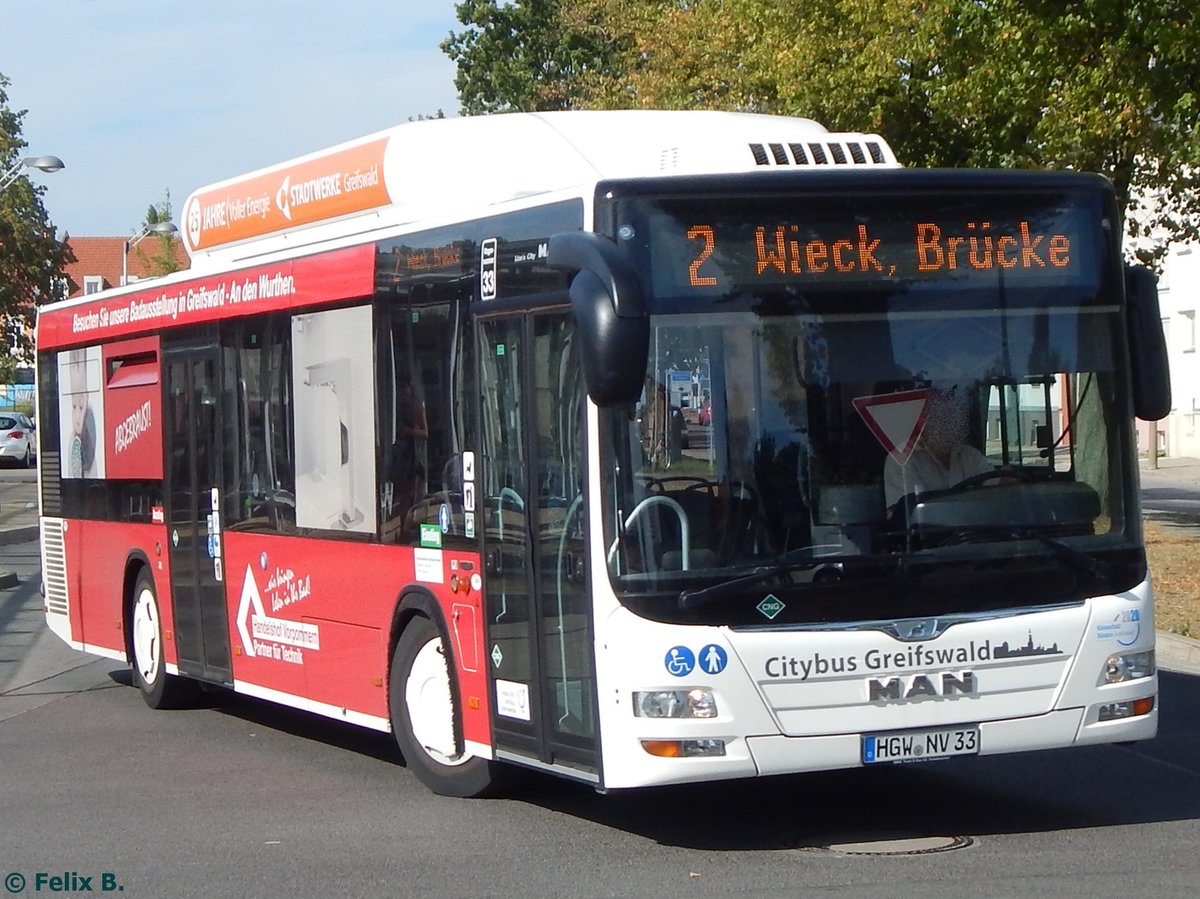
x: 771, y: 606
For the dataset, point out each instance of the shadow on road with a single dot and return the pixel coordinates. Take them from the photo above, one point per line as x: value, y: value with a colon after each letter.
x: 1039, y: 792
x: 290, y: 721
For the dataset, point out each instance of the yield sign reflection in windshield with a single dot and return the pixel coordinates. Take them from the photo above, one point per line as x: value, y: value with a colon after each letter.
x: 896, y: 419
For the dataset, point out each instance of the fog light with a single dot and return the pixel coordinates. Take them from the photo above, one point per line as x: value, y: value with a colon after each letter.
x: 1127, y: 666
x: 1116, y: 710
x: 683, y: 749
x: 696, y: 703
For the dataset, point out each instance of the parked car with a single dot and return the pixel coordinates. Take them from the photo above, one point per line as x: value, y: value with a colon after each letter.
x: 17, y: 441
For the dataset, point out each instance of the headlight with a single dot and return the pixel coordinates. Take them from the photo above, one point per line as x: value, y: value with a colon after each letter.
x: 1127, y: 666
x: 697, y: 703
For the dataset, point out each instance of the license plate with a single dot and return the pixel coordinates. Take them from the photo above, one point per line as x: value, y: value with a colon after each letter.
x: 919, y: 745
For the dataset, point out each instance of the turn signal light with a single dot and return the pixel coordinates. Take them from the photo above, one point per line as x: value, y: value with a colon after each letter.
x: 667, y: 749
x: 682, y: 749
x: 1117, y: 710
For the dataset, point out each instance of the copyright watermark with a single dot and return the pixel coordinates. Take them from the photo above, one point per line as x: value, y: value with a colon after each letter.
x: 64, y: 882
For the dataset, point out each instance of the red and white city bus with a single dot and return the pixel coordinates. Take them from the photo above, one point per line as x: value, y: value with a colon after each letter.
x: 416, y: 444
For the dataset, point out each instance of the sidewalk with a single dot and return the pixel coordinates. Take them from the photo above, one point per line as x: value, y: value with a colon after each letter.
x: 1182, y: 468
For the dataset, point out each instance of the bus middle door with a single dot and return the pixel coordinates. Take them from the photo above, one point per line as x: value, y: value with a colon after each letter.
x: 537, y: 606
x: 193, y: 453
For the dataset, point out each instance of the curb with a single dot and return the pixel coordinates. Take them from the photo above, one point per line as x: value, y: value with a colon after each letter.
x: 1175, y: 651
x: 11, y: 535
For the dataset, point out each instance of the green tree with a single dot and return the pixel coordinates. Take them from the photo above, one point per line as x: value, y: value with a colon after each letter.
x: 1109, y: 86
x: 8, y: 369
x: 32, y: 259
x: 160, y: 258
x: 526, y: 56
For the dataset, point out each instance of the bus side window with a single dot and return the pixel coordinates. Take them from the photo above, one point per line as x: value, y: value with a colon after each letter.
x: 415, y: 377
x: 258, y: 442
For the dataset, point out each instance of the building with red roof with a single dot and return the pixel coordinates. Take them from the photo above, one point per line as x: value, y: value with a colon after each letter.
x: 102, y: 262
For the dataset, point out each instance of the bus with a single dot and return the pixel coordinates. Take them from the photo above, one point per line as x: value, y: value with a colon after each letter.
x: 401, y: 448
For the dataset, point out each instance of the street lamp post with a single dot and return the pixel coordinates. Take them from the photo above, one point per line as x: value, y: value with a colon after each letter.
x: 144, y: 232
x: 7, y: 179
x: 41, y: 163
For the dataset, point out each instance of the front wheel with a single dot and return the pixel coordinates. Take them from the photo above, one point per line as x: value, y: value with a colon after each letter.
x: 423, y: 702
x: 159, y: 689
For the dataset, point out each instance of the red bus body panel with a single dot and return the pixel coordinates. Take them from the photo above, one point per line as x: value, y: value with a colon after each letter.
x: 327, y: 608
x: 292, y: 284
x: 97, y: 618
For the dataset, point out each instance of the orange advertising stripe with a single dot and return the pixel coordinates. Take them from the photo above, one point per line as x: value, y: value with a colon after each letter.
x: 326, y: 187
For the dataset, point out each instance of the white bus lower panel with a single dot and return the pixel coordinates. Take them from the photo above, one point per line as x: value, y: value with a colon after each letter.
x: 779, y: 754
x: 790, y: 755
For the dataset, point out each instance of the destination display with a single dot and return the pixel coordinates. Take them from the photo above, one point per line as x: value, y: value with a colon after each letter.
x: 716, y: 246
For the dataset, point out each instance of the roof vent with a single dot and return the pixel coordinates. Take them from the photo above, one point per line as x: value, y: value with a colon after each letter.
x: 835, y: 152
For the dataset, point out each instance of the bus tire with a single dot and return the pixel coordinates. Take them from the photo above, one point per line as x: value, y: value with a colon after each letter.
x: 423, y: 703
x: 159, y: 689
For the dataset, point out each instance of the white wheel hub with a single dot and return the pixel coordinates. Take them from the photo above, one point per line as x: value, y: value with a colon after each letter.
x: 146, y: 649
x: 430, y: 706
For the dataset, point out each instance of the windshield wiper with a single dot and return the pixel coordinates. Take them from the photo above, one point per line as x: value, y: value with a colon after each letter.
x: 1064, y: 552
x: 695, y: 599
x: 1084, y: 562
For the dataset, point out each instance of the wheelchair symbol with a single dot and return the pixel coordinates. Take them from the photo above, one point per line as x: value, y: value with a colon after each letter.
x: 680, y: 661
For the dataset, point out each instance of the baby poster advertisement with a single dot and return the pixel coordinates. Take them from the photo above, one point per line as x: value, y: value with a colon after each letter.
x: 81, y: 412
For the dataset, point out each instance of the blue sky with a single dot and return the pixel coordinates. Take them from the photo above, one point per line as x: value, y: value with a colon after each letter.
x: 142, y: 97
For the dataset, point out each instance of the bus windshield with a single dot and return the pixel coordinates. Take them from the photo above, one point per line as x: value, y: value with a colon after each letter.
x: 855, y: 415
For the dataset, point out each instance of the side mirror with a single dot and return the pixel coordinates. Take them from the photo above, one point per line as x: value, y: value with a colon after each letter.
x: 610, y: 315
x: 1147, y: 345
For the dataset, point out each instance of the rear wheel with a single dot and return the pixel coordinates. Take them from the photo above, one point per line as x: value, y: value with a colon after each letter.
x: 159, y: 689
x: 423, y: 702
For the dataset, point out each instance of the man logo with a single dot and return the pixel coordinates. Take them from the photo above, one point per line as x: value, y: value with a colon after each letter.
x: 921, y: 686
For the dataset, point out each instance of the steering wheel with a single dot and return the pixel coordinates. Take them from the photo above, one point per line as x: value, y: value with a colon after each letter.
x: 976, y: 481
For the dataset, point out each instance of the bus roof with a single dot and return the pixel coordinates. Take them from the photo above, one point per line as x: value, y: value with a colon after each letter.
x: 441, y: 168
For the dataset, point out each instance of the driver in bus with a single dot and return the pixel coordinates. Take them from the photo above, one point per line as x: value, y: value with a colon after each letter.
x: 942, y: 457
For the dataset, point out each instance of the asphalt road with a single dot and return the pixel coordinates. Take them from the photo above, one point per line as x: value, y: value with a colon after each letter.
x: 244, y: 799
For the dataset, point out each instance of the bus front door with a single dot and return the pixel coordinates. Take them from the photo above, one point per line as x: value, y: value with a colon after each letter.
x: 193, y: 449
x: 530, y: 504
